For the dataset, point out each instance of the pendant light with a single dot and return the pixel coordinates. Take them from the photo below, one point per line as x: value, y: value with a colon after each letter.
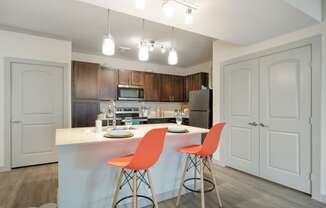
x: 140, y: 4
x: 188, y: 16
x: 173, y: 55
x: 108, y: 45
x: 168, y: 8
x: 143, y: 50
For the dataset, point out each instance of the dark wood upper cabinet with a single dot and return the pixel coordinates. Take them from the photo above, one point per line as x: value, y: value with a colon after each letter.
x: 195, y: 82
x: 172, y: 88
x: 137, y: 78
x: 166, y: 87
x: 127, y: 77
x: 152, y: 87
x: 107, y: 84
x: 178, y: 89
x: 84, y: 80
x: 84, y: 113
x: 124, y: 77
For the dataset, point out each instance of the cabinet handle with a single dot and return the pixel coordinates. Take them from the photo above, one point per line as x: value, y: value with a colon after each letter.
x: 252, y: 124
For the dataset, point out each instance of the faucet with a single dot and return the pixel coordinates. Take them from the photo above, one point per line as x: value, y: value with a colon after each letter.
x: 112, y: 113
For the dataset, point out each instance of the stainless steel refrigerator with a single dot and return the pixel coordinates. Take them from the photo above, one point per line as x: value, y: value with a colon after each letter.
x: 200, y: 107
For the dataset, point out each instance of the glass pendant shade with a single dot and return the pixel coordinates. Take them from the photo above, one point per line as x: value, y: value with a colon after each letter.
x: 143, y: 53
x: 108, y: 45
x: 173, y: 57
x: 168, y: 9
x: 188, y: 17
x: 140, y: 4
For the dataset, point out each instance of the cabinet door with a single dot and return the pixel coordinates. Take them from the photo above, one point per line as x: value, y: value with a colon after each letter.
x: 152, y: 87
x: 107, y: 84
x: 178, y: 89
x: 241, y: 109
x: 84, y: 80
x: 124, y: 77
x: 137, y: 78
x: 166, y: 88
x: 285, y: 98
x: 194, y: 82
x: 84, y: 113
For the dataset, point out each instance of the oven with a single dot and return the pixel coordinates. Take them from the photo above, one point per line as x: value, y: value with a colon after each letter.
x: 130, y: 92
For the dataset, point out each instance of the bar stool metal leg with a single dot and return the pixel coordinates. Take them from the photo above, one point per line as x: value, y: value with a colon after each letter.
x: 117, y: 189
x: 152, y: 188
x: 202, y: 182
x: 134, y: 190
x: 214, y: 180
x: 182, y: 180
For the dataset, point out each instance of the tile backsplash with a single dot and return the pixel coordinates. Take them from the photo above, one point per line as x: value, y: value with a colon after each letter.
x: 167, y: 107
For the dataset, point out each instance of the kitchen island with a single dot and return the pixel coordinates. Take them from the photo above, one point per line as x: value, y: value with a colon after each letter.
x: 85, y: 181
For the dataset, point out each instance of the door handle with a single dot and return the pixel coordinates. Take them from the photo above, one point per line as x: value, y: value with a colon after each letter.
x: 252, y: 124
x: 15, y: 121
x: 263, y: 125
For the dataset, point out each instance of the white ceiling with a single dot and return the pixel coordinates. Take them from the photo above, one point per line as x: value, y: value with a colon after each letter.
x: 85, y: 25
x: 84, y: 21
x: 236, y: 21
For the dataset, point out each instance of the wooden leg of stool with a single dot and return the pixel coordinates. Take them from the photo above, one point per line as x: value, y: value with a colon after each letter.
x: 214, y: 180
x: 117, y: 188
x: 182, y: 180
x: 152, y: 188
x: 202, y: 182
x: 134, y: 190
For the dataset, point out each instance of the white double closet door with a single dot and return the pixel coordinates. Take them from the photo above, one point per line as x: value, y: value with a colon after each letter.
x: 268, y: 111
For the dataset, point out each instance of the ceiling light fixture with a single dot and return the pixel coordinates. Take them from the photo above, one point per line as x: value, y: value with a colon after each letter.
x: 188, y: 16
x: 140, y: 4
x: 108, y: 45
x: 162, y: 49
x: 143, y: 51
x: 168, y: 8
x: 173, y: 55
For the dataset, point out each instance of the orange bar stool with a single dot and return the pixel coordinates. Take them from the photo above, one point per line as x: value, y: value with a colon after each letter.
x: 136, y: 166
x: 201, y: 155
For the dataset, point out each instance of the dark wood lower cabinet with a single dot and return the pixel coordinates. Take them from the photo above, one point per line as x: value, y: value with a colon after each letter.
x: 84, y: 113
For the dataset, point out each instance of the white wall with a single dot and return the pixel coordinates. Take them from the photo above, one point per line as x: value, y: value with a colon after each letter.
x: 223, y: 52
x: 203, y: 67
x: 18, y: 45
x: 119, y: 63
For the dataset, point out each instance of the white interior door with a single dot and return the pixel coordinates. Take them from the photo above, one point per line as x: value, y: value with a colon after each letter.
x: 285, y: 97
x: 241, y: 111
x: 37, y: 110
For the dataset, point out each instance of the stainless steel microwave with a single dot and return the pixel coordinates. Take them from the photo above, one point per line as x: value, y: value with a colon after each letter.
x: 130, y: 92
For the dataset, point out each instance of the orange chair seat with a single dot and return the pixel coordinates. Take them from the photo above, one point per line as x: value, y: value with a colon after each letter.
x: 121, y: 162
x: 193, y: 149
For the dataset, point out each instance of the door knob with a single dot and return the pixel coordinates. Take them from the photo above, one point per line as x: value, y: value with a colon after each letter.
x: 263, y: 125
x: 253, y: 124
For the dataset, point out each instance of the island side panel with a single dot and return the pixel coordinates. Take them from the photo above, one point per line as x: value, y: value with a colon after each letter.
x: 85, y: 181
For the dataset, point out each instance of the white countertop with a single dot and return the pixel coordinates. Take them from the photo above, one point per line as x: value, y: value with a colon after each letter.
x: 74, y: 136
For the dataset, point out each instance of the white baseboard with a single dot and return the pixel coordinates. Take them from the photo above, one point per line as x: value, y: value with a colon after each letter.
x: 219, y: 163
x: 320, y: 198
x: 4, y: 169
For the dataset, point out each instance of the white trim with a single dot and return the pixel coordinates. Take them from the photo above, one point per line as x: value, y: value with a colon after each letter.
x: 315, y: 43
x: 66, y: 101
x: 219, y: 163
